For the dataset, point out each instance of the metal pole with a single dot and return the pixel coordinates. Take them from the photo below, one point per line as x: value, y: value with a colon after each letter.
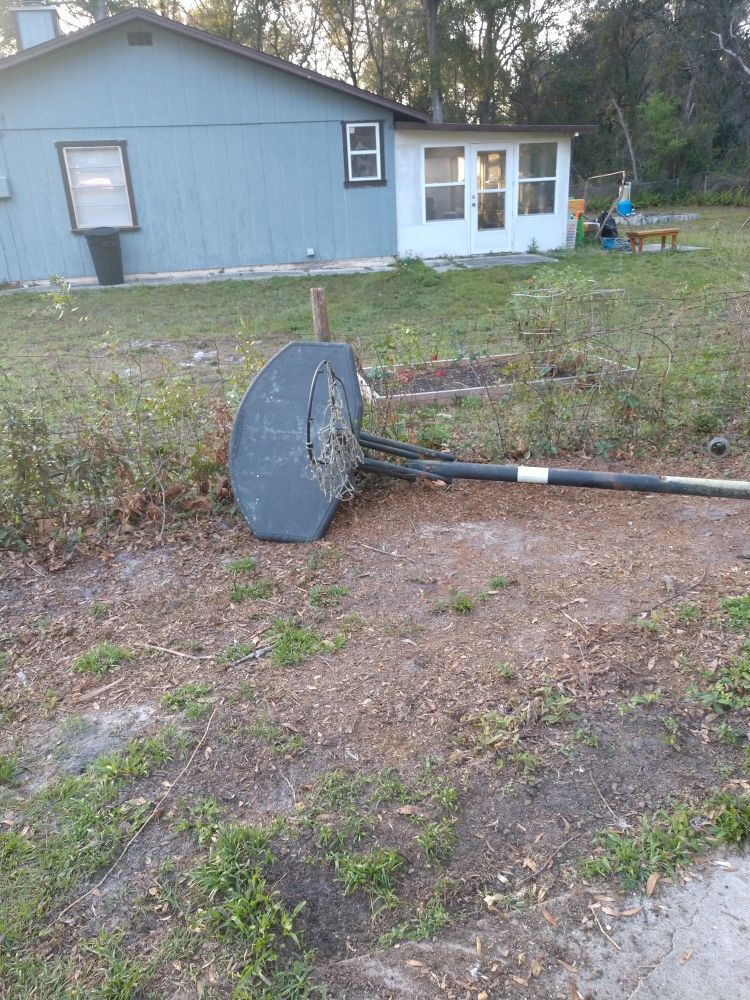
x: 683, y: 485
x: 401, y: 448
x: 398, y: 471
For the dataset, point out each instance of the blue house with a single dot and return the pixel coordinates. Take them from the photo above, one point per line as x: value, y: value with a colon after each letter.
x: 206, y: 154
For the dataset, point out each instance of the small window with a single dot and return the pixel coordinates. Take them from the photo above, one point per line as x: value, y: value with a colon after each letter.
x: 97, y: 184
x: 537, y: 172
x: 363, y: 153
x: 444, y: 183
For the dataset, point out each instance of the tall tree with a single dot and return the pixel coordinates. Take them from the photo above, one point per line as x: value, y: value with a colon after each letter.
x: 433, y: 56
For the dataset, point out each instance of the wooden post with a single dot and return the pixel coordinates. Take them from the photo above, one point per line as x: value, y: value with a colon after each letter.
x: 320, y: 314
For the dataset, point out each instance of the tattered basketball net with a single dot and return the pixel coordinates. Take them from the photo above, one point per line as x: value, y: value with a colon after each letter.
x: 338, y: 453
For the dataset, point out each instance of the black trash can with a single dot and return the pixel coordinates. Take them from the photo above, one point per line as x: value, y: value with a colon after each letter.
x: 104, y: 244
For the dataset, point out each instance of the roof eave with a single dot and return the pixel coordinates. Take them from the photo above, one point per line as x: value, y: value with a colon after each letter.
x: 401, y: 112
x: 496, y: 127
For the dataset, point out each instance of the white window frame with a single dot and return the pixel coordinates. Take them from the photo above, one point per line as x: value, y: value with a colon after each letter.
x: 536, y: 180
x: 437, y: 184
x: 377, y: 153
x: 63, y: 149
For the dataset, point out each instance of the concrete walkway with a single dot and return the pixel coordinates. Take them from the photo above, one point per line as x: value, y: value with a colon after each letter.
x: 441, y: 264
x: 311, y: 269
x: 686, y: 942
x: 691, y: 943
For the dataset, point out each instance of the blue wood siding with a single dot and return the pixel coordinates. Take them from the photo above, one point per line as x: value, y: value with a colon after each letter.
x: 233, y: 163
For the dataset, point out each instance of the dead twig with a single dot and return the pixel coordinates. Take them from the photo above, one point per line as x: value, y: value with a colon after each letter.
x: 678, y: 593
x: 175, y: 652
x: 90, y: 695
x: 601, y: 796
x: 598, y: 924
x: 256, y: 655
x: 549, y: 860
x: 385, y: 552
x: 154, y: 812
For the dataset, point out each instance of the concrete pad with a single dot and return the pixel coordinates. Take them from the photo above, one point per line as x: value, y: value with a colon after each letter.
x: 690, y: 943
x: 687, y: 942
x: 681, y: 248
x: 441, y: 264
x: 255, y: 272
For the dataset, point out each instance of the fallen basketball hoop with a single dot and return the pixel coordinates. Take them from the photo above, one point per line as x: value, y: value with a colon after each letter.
x: 297, y: 443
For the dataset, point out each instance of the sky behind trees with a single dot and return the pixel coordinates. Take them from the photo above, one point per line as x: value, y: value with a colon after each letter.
x: 668, y: 83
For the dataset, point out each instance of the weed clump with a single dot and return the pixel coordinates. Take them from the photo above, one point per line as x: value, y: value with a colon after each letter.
x: 669, y: 839
x: 188, y: 698
x: 101, y: 658
x: 292, y: 643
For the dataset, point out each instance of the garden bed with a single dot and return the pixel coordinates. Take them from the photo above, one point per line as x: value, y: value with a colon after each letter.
x: 492, y: 376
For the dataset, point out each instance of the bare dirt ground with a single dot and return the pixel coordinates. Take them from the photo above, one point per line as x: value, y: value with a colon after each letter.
x: 586, y: 605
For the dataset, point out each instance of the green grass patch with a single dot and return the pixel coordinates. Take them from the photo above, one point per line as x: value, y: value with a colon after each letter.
x: 101, y: 658
x: 240, y: 909
x: 323, y: 597
x: 261, y: 590
x: 457, y: 601
x: 431, y: 918
x: 737, y: 612
x: 498, y: 583
x: 282, y: 742
x: 237, y: 651
x: 374, y: 872
x: 646, y: 699
x: 73, y: 828
x: 188, y: 698
x: 437, y: 839
x: 243, y: 565
x: 687, y: 613
x: 9, y: 768
x: 730, y: 689
x: 292, y: 643
x: 669, y: 839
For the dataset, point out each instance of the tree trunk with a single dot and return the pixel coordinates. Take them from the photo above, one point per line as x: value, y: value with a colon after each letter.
x: 433, y: 53
x: 628, y: 140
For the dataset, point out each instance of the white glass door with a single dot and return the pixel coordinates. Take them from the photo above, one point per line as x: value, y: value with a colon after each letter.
x: 490, y: 198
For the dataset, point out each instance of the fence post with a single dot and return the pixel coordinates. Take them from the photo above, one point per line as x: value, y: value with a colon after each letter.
x: 320, y: 314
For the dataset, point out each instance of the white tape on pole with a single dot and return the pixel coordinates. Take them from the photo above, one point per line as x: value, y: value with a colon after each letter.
x: 529, y: 474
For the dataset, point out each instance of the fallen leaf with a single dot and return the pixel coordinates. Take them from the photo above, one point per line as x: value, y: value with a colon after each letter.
x: 536, y: 967
x: 631, y: 911
x: 610, y: 911
x: 552, y: 921
x: 479, y: 945
x: 651, y: 884
x: 530, y: 864
x: 686, y: 956
x: 520, y: 981
x: 407, y: 811
x: 413, y: 961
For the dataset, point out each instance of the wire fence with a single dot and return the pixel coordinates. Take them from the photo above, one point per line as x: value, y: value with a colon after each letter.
x: 124, y: 432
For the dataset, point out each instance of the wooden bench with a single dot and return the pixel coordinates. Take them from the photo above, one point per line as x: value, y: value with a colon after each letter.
x: 637, y: 236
